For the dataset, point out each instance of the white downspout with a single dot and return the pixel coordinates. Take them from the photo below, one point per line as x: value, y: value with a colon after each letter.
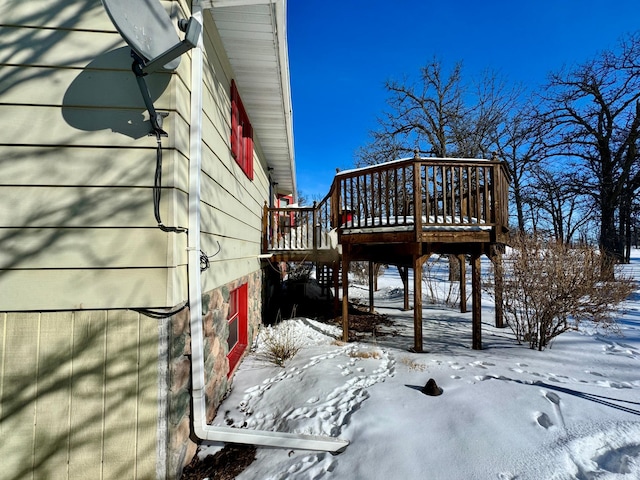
x: 200, y: 427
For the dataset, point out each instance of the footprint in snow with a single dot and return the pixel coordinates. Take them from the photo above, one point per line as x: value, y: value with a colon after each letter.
x: 543, y: 420
x: 552, y: 397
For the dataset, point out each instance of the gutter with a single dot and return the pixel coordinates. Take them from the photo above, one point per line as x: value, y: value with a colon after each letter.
x: 280, y: 33
x: 201, y: 429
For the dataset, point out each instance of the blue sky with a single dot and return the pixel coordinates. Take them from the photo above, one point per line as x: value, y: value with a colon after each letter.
x: 341, y: 53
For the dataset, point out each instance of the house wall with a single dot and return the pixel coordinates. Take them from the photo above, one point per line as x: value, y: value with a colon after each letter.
x: 231, y: 203
x: 215, y: 304
x: 77, y: 227
x: 82, y: 379
x: 78, y: 395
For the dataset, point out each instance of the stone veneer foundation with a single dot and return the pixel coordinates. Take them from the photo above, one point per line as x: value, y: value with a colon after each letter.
x: 215, y: 305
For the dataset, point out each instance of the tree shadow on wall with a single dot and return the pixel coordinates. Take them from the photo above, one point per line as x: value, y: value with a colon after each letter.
x: 87, y: 406
x: 103, y: 96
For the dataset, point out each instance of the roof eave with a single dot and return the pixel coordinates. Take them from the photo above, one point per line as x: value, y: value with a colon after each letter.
x: 270, y: 111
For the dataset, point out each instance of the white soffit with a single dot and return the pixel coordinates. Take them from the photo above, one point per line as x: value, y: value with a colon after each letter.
x: 254, y: 36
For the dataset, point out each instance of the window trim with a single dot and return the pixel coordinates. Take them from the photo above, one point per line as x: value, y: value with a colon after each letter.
x: 238, y: 298
x: 241, y: 133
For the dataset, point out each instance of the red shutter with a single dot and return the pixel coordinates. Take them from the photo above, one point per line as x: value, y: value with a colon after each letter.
x: 241, y: 133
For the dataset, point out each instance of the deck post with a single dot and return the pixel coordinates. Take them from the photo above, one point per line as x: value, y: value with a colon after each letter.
x: 498, y: 286
x: 335, y: 274
x: 315, y: 226
x: 265, y: 228
x: 463, y: 283
x: 476, y: 318
x: 371, y: 278
x: 345, y: 298
x: 404, y: 275
x: 418, y: 261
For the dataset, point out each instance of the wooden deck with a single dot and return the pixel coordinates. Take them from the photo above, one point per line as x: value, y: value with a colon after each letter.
x: 400, y: 213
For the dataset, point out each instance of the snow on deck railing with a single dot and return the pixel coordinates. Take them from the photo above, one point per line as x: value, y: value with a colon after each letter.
x: 440, y: 193
x: 439, y: 223
x: 300, y: 228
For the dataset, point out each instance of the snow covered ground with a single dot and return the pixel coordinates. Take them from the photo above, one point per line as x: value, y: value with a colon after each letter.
x: 507, y: 412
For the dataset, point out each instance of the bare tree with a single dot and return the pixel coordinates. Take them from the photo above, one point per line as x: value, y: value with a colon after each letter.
x: 440, y: 116
x: 427, y: 113
x: 383, y: 148
x: 565, y: 208
x: 518, y: 141
x: 594, y: 110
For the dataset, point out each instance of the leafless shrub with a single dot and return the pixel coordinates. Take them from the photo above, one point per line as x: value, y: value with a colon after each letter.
x: 551, y: 288
x: 360, y: 272
x: 298, y: 271
x: 439, y: 289
x: 279, y: 343
x: 413, y: 365
x: 365, y: 354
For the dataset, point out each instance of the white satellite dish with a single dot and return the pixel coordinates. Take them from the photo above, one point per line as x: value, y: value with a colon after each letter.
x: 155, y: 45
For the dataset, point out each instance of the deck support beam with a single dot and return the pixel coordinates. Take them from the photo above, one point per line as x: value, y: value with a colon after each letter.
x: 371, y: 285
x: 463, y: 283
x: 498, y: 286
x: 345, y: 298
x: 404, y: 275
x: 418, y: 262
x: 476, y: 295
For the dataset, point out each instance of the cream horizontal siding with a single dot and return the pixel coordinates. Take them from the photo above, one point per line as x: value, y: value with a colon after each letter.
x: 78, y: 165
x: 83, y: 289
x: 32, y: 165
x: 78, y: 395
x: 62, y: 14
x: 85, y: 248
x: 231, y: 205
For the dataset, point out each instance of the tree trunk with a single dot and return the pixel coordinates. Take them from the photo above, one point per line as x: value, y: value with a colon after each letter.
x: 519, y: 209
x: 454, y: 268
x: 609, y: 243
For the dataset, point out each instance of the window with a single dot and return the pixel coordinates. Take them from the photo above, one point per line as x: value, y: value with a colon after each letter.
x: 241, y: 133
x: 237, y: 320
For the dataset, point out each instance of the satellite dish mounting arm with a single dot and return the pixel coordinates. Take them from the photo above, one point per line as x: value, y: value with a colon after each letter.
x: 154, y: 117
x: 141, y: 68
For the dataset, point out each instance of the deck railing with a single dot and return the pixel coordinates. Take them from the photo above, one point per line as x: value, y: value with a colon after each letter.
x: 300, y: 228
x: 419, y: 195
x: 424, y: 194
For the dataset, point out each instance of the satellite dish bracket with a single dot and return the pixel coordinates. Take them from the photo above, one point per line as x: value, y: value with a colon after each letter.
x: 154, y: 117
x: 141, y: 68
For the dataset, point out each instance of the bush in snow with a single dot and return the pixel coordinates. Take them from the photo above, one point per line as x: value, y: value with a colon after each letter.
x: 360, y: 272
x: 279, y: 342
x: 550, y: 288
x: 440, y: 290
